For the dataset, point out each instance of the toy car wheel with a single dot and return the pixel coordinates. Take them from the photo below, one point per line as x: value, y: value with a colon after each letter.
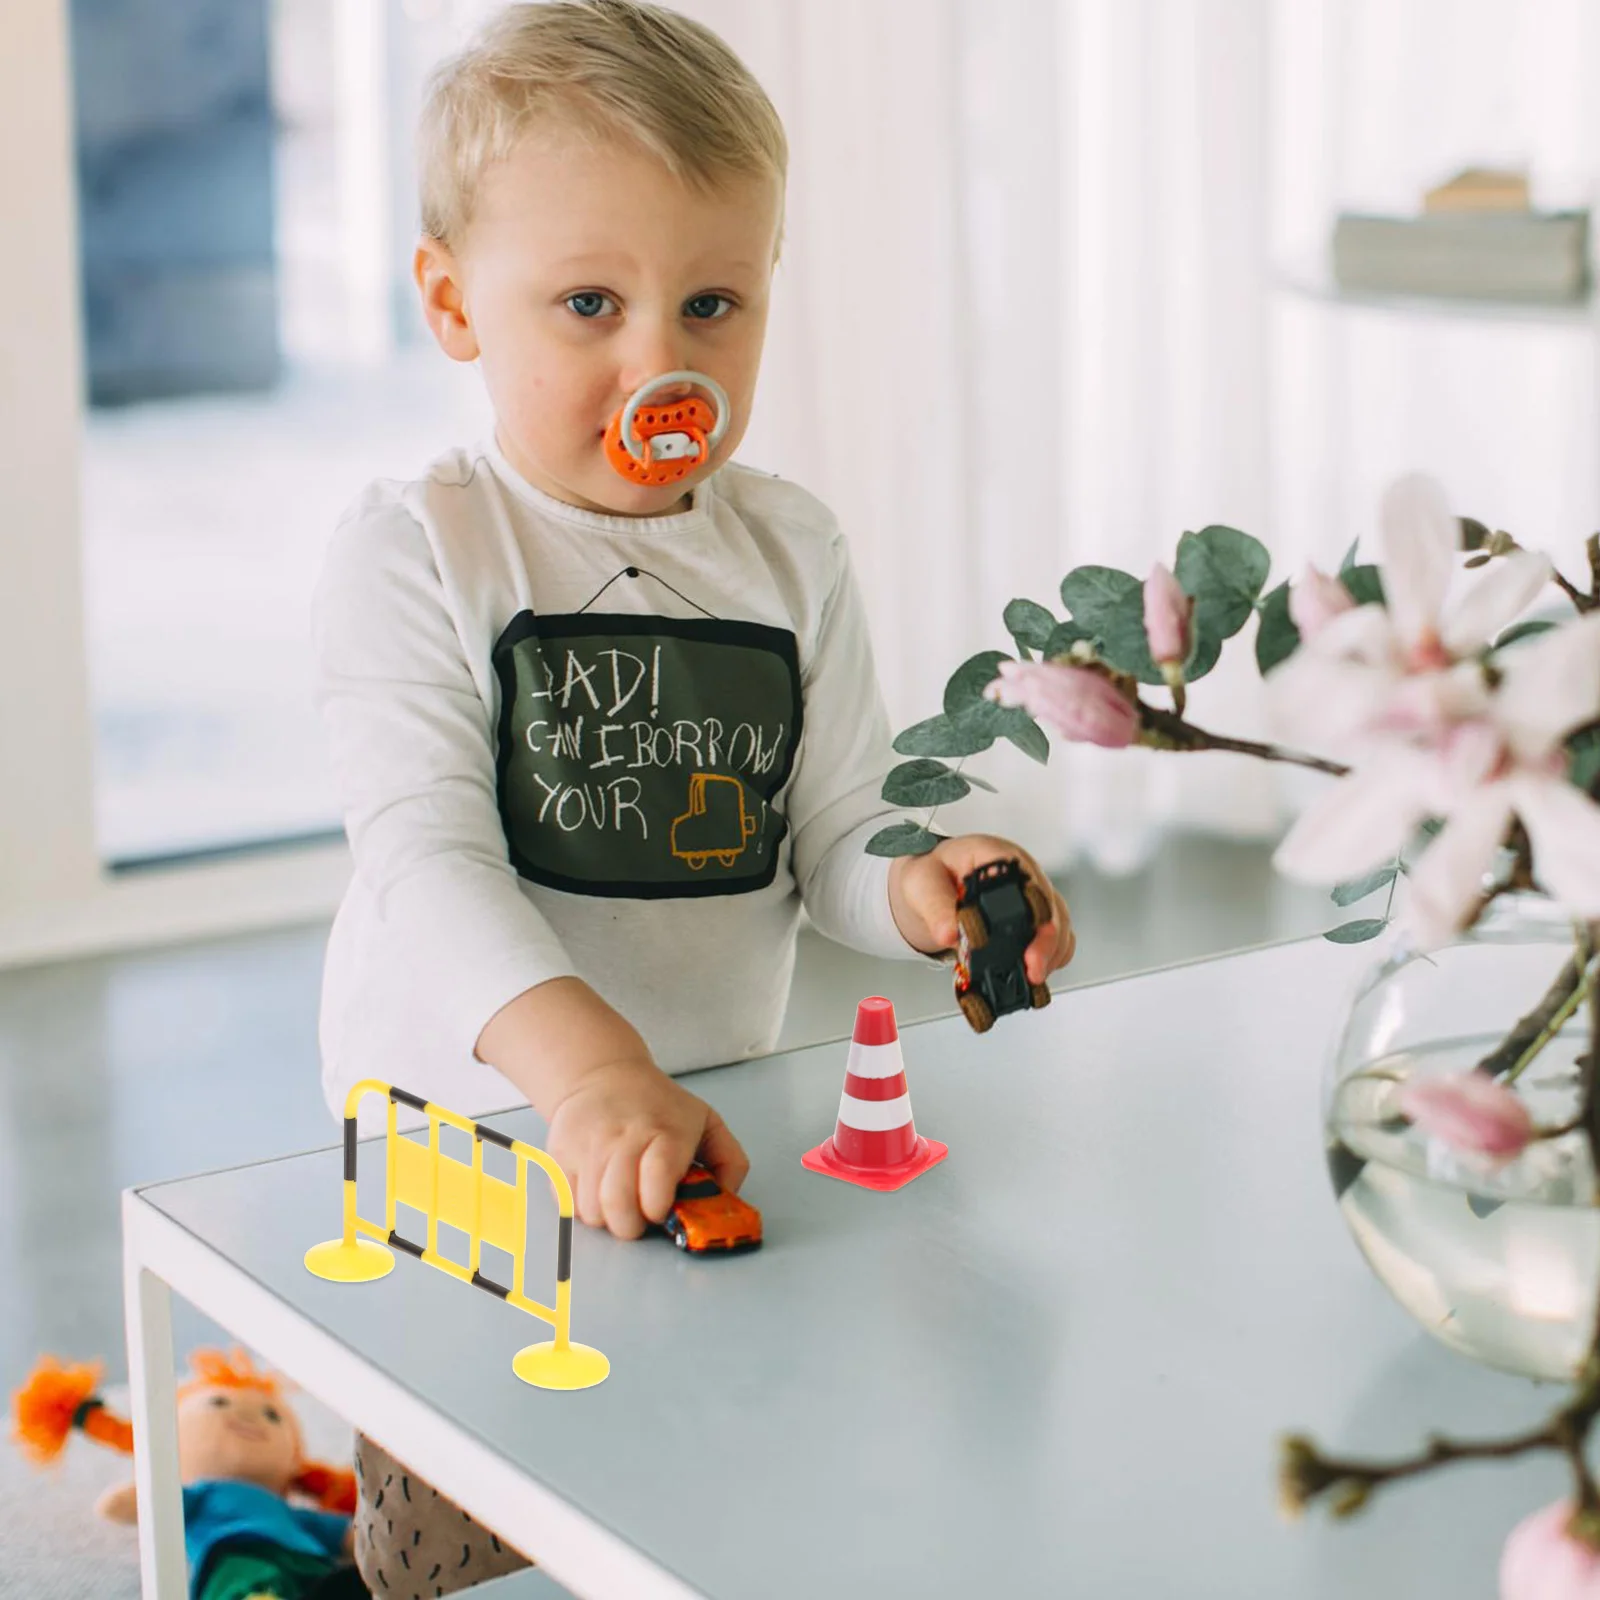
x: 1039, y: 903
x: 969, y: 919
x: 977, y: 1011
x: 1041, y: 995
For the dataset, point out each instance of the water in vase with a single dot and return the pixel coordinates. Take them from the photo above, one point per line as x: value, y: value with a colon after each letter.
x: 1501, y: 1263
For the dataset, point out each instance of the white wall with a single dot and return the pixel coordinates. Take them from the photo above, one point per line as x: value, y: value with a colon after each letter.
x: 54, y: 897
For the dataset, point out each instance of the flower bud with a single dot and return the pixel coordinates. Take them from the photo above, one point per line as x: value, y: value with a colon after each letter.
x: 1545, y: 1559
x: 1469, y: 1111
x: 1315, y: 600
x: 1077, y: 703
x: 1302, y: 1475
x: 1168, y: 616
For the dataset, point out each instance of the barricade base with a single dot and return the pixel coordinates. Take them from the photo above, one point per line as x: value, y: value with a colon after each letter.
x: 360, y: 1261
x: 553, y: 1366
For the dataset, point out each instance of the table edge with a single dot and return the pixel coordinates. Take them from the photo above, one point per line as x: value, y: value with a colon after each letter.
x: 582, y: 1554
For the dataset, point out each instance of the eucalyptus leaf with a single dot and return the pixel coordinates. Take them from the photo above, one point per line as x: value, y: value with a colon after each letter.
x: 1583, y: 757
x: 1110, y: 605
x: 960, y: 735
x: 1277, y: 637
x: 1029, y: 624
x: 1224, y: 570
x: 902, y: 839
x: 1364, y: 584
x: 1025, y: 734
x: 1062, y: 638
x: 964, y: 691
x: 923, y: 782
x: 1518, y: 631
x: 1344, y: 1166
x: 1346, y: 894
x: 1357, y: 932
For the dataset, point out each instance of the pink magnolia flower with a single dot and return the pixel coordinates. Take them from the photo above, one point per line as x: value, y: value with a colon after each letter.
x: 1502, y: 758
x: 1430, y: 733
x: 1168, y: 613
x: 1408, y: 668
x: 1077, y: 703
x: 1542, y: 1561
x: 1469, y: 1111
x: 1315, y: 600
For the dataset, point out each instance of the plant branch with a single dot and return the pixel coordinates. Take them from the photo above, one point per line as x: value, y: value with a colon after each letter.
x: 1171, y: 732
x: 1583, y: 602
x: 1535, y: 1030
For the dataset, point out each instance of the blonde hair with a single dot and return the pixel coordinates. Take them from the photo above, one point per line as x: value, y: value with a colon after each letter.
x: 602, y: 69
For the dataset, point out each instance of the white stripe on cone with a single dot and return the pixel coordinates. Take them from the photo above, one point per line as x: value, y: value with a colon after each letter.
x: 875, y: 1060
x: 874, y: 1116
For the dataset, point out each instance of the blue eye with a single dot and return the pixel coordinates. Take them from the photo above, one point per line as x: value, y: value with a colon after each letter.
x: 707, y: 307
x: 589, y: 303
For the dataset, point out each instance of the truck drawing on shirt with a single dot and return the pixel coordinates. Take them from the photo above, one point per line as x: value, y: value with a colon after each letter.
x: 716, y: 823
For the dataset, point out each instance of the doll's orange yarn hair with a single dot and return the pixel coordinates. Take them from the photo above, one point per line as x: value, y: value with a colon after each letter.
x: 214, y: 1370
x: 56, y: 1398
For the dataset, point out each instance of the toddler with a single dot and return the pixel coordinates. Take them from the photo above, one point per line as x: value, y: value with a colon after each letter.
x: 598, y: 737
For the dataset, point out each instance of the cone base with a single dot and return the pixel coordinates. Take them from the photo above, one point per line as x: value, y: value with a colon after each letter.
x: 825, y: 1159
x: 360, y: 1261
x: 553, y: 1366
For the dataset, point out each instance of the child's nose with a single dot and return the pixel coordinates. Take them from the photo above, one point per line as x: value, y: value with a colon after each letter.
x: 653, y: 354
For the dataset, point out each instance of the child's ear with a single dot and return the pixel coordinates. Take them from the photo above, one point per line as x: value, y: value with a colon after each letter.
x: 444, y: 305
x: 117, y: 1504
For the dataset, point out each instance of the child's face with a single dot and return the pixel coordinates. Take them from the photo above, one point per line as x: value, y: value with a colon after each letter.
x: 586, y: 270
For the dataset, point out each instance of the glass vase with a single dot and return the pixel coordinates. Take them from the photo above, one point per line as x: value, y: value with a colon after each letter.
x: 1500, y: 1261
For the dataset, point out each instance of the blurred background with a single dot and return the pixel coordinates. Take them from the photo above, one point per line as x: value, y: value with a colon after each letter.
x: 1057, y: 287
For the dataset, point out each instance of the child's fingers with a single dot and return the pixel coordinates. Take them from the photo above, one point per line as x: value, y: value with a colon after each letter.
x: 619, y: 1191
x: 929, y: 891
x: 723, y: 1154
x: 585, y: 1180
x: 661, y: 1169
x: 1054, y: 944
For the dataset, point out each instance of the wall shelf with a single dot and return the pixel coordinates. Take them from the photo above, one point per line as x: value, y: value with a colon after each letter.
x: 1319, y: 288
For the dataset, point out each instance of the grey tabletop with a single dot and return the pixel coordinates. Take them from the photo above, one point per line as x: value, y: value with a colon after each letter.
x: 1054, y: 1365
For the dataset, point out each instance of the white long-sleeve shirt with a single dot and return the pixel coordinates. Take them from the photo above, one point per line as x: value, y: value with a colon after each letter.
x: 575, y: 744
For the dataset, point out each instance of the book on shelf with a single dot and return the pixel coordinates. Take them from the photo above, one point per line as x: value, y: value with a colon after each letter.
x: 1483, y: 254
x: 1479, y: 189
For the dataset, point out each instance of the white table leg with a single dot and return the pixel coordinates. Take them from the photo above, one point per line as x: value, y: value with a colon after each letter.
x: 152, y: 1382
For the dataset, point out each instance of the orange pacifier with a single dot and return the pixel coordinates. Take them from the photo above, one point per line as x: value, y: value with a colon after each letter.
x: 657, y: 445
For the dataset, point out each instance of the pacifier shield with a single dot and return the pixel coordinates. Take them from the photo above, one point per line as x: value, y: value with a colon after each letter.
x: 675, y: 441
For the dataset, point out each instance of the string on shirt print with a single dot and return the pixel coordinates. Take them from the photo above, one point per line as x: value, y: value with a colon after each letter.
x: 640, y: 572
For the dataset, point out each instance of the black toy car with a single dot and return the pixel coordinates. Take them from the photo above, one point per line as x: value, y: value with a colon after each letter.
x: 997, y: 915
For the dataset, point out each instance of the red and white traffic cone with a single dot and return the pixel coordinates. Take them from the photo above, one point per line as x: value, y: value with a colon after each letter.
x: 875, y: 1143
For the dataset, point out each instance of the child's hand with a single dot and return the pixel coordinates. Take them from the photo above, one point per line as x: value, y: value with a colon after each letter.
x: 923, y: 890
x: 626, y: 1133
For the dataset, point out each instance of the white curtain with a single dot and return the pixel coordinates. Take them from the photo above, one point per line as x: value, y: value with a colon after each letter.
x: 1375, y: 101
x: 1021, y: 326
x: 1044, y: 302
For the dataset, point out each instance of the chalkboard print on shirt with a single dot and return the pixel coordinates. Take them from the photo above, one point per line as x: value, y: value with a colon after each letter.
x: 641, y: 757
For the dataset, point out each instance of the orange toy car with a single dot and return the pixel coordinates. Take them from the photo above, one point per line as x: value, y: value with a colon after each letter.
x: 706, y: 1219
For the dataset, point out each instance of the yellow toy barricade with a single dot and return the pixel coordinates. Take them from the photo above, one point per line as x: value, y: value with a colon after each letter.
x: 487, y: 1209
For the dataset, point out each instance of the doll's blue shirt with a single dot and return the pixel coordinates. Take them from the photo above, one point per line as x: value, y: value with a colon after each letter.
x: 219, y: 1511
